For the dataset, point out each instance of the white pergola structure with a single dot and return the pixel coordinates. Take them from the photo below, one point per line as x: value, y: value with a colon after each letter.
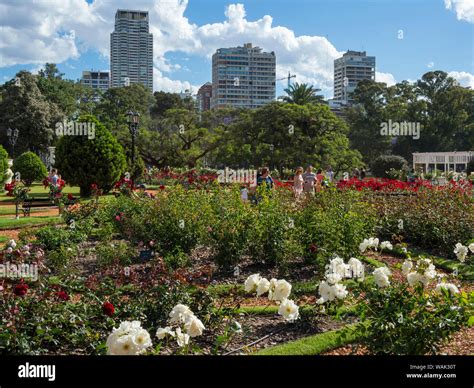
x: 442, y: 161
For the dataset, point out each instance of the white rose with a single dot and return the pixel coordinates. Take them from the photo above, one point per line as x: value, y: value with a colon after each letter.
x: 430, y: 272
x: 339, y: 291
x: 180, y: 314
x: 194, y: 326
x: 121, y: 346
x: 9, y: 250
x: 374, y: 243
x: 381, y: 276
x: 326, y: 292
x: 333, y: 278
x: 251, y: 283
x: 289, y: 310
x: 407, y: 267
x: 448, y: 286
x: 271, y: 288
x: 414, y: 278
x: 471, y: 247
x: 282, y: 290
x: 163, y: 332
x: 12, y: 244
x: 357, y: 268
x: 181, y: 338
x: 337, y: 266
x: 461, y: 252
x: 363, y: 246
x: 263, y: 286
x: 386, y: 245
x: 141, y: 338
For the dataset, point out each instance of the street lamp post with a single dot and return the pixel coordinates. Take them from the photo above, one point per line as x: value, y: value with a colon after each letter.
x: 133, y: 119
x: 12, y: 138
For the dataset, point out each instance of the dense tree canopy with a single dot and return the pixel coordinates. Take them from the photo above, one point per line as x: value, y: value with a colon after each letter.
x: 443, y: 109
x: 297, y: 131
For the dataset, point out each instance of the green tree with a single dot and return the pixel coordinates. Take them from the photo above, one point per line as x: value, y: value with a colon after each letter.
x: 23, y: 107
x: 165, y: 101
x: 178, y: 139
x: 283, y: 135
x: 83, y: 161
x: 365, y: 119
x: 302, y: 94
x: 30, y: 167
x: 384, y: 163
x: 3, y: 164
x: 116, y: 102
x: 64, y: 94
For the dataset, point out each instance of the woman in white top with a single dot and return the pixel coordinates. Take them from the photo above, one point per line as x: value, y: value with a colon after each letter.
x: 298, y: 182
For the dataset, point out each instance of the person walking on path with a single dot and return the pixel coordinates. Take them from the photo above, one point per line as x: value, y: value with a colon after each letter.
x: 265, y: 178
x: 298, y: 182
x: 309, y: 178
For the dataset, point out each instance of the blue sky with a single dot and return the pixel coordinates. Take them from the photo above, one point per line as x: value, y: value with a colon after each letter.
x: 305, y: 34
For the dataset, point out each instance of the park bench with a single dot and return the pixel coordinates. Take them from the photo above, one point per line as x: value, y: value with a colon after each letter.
x: 40, y: 203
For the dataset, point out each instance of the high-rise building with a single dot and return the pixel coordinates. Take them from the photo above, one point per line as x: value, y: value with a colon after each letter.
x: 204, y: 95
x: 95, y: 79
x: 349, y: 70
x: 242, y: 77
x: 131, y: 50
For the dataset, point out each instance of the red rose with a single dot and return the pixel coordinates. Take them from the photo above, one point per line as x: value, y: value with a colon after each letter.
x: 70, y: 197
x: 62, y: 295
x: 108, y: 309
x: 162, y: 187
x: 20, y: 289
x: 313, y: 248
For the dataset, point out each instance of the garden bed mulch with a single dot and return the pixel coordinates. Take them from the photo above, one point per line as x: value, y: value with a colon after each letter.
x: 460, y: 344
x: 262, y: 331
x: 10, y: 233
x: 296, y: 270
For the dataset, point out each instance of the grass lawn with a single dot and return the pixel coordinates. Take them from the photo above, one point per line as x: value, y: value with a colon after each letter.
x: 10, y: 210
x: 7, y: 223
x: 314, y: 344
x: 38, y: 190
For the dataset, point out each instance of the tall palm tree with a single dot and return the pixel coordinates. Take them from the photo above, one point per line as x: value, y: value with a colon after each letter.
x: 302, y: 94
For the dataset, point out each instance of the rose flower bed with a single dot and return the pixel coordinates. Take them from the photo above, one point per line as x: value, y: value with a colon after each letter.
x: 200, y: 271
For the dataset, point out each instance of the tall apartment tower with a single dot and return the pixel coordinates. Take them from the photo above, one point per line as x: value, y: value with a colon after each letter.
x: 242, y: 77
x: 349, y: 70
x: 131, y: 50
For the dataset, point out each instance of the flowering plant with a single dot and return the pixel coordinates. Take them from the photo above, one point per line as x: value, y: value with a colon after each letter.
x: 55, y: 190
x: 17, y: 190
x: 407, y: 318
x: 125, y: 186
x: 278, y: 290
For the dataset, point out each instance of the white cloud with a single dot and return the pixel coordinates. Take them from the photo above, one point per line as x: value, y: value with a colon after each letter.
x: 464, y: 78
x: 464, y: 9
x: 430, y: 65
x: 160, y: 82
x: 388, y: 78
x: 58, y: 30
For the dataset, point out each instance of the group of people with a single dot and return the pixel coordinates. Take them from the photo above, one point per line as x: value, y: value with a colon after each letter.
x: 310, y: 182
x: 303, y: 181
